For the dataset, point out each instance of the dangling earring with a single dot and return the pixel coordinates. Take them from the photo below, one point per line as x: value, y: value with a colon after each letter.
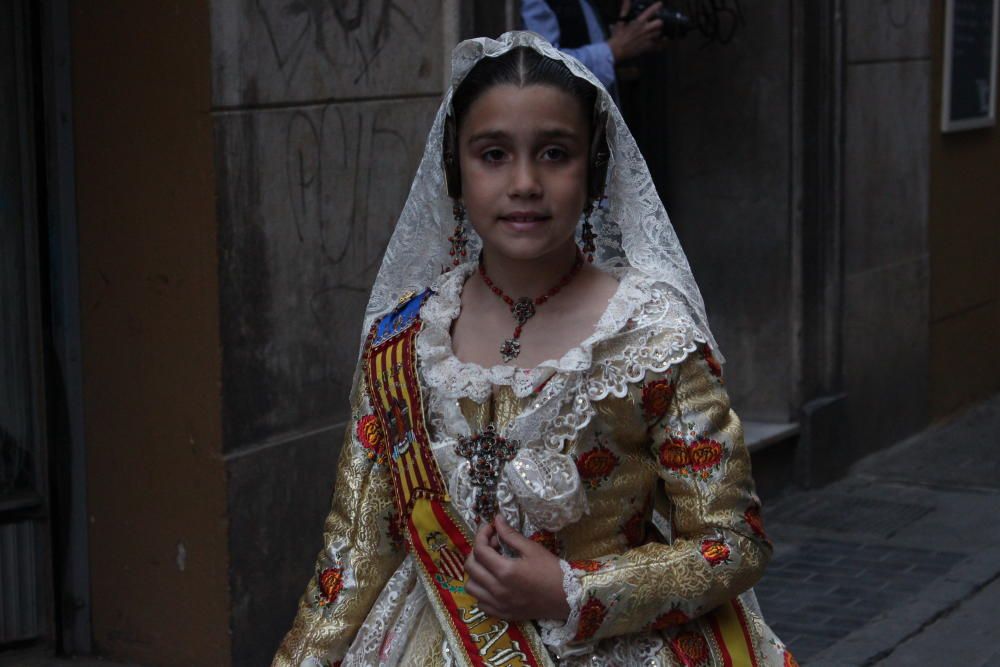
x: 587, y: 234
x: 460, y: 237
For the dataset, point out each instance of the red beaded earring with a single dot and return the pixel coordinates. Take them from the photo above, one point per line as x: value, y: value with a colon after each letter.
x: 460, y: 237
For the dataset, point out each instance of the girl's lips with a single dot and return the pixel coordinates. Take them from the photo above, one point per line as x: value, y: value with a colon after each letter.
x: 525, y: 217
x: 524, y: 223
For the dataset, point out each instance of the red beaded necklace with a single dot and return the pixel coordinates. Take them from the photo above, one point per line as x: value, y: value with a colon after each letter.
x: 523, y: 309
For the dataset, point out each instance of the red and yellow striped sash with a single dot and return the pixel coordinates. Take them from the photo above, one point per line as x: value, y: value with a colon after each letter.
x: 435, y: 534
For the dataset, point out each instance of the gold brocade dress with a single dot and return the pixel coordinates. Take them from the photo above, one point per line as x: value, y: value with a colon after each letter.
x: 637, y: 478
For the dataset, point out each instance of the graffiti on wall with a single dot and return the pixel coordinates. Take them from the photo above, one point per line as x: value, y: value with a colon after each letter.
x: 347, y: 172
x: 347, y: 34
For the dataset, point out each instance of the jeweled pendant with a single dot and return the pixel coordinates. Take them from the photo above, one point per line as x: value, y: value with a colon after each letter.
x: 523, y: 309
x: 510, y: 349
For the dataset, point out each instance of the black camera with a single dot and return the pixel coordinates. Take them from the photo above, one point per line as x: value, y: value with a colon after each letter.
x: 675, y: 24
x: 716, y: 20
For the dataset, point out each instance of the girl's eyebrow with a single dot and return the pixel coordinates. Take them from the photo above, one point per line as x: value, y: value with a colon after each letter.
x: 500, y: 135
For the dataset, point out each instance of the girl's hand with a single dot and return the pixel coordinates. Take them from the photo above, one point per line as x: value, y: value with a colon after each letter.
x: 525, y: 588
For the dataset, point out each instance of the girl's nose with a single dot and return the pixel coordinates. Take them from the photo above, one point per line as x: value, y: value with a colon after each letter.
x: 524, y: 180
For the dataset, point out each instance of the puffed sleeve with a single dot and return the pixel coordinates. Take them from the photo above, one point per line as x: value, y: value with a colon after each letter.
x: 362, y: 547
x: 718, y: 548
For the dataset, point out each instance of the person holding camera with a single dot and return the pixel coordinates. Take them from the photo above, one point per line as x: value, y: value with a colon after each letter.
x: 576, y: 27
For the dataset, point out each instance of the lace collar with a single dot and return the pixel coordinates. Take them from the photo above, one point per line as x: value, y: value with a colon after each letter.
x: 444, y: 372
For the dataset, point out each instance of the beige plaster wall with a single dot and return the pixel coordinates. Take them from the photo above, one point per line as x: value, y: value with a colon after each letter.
x: 149, y: 299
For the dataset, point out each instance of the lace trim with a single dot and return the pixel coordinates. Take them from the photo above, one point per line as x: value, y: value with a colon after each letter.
x: 557, y: 634
x: 455, y: 378
x: 397, y: 606
x: 660, y: 336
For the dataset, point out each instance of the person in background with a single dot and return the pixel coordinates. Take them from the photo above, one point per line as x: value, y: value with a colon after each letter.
x: 575, y: 27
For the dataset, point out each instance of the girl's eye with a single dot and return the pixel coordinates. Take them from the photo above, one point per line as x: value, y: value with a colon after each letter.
x: 493, y: 155
x: 554, y: 154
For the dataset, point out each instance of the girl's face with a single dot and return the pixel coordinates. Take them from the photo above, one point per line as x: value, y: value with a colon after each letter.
x: 524, y: 155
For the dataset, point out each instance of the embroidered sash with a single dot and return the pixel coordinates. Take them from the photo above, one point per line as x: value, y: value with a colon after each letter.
x: 732, y: 635
x: 435, y: 533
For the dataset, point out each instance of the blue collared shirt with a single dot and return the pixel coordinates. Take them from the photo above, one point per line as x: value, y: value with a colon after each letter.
x: 596, y: 56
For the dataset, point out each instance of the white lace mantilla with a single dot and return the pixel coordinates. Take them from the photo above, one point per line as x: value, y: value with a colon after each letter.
x: 639, y: 331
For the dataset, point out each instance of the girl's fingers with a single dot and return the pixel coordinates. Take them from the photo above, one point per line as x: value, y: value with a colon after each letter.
x: 488, y: 556
x: 486, y: 601
x: 481, y: 576
x: 513, y: 539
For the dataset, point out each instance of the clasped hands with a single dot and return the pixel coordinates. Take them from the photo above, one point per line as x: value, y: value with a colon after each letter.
x: 526, y: 587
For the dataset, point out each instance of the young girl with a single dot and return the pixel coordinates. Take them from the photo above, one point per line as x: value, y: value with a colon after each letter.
x: 543, y: 467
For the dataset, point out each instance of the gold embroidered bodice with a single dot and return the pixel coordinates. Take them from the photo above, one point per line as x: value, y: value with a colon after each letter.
x: 668, y: 526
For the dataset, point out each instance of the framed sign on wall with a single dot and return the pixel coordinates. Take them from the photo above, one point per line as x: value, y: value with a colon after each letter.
x: 970, y: 64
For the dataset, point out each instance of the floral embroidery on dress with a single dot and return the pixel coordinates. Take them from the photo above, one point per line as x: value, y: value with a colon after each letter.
x: 790, y: 660
x: 713, y: 364
x: 371, y: 438
x: 753, y: 519
x: 330, y: 582
x: 586, y: 565
x: 705, y: 454
x: 634, y: 529
x: 592, y: 614
x: 548, y: 540
x: 691, y: 649
x: 656, y: 398
x: 596, y: 465
x: 715, y: 552
x: 671, y: 619
x: 699, y: 457
x: 674, y: 454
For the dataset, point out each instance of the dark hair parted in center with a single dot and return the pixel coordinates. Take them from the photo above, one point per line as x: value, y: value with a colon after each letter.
x: 521, y: 67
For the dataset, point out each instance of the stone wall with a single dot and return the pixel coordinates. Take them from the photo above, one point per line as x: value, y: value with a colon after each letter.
x: 885, y: 175
x: 320, y: 113
x: 720, y: 127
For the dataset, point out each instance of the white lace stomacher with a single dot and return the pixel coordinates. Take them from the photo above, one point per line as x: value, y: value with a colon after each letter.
x: 640, y: 330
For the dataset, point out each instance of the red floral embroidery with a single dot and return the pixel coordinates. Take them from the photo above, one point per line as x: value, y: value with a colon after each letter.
x: 548, y: 540
x: 705, y: 453
x: 674, y: 454
x: 671, y: 619
x: 371, y: 438
x: 595, y: 465
x: 634, y: 529
x: 656, y: 398
x: 331, y: 582
x: 586, y: 565
x: 691, y: 649
x: 790, y: 660
x: 715, y: 552
x: 700, y: 456
x: 591, y: 616
x: 713, y: 364
x: 752, y: 517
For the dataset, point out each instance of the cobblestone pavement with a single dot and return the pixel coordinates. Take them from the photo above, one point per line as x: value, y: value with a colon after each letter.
x: 898, y: 563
